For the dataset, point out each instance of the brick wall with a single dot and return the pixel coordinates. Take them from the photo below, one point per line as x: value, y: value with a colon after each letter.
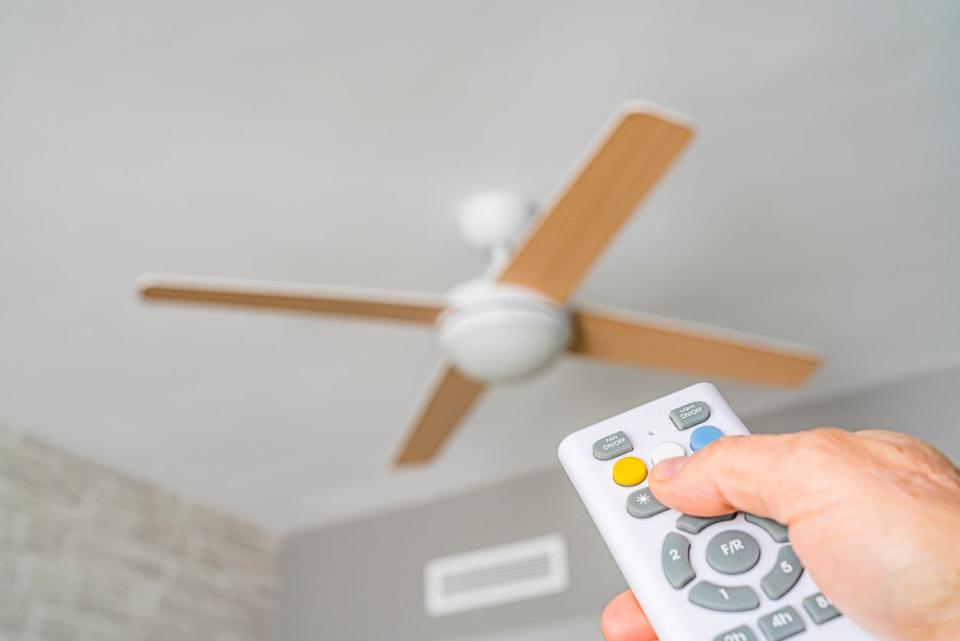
x: 87, y: 553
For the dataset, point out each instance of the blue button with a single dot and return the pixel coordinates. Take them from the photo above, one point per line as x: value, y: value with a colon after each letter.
x: 704, y: 436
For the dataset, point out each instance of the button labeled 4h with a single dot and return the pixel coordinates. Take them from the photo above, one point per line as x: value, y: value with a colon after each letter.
x: 782, y: 624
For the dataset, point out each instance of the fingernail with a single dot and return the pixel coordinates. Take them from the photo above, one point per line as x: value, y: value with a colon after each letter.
x: 668, y: 468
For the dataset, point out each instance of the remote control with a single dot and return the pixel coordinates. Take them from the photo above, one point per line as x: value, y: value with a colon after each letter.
x: 727, y: 578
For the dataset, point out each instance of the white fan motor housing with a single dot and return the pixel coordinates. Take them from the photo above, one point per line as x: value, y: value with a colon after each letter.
x: 494, y: 332
x: 494, y: 219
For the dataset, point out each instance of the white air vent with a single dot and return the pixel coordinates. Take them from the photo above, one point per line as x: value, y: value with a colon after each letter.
x: 500, y: 574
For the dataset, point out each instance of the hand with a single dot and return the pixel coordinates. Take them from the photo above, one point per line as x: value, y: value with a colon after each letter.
x: 874, y: 516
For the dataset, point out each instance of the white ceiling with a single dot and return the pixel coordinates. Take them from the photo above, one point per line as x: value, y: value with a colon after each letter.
x: 330, y: 142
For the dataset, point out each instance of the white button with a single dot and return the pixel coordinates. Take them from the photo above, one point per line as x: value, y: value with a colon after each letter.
x: 667, y: 449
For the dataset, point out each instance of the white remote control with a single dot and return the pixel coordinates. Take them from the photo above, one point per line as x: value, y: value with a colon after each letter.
x: 730, y: 578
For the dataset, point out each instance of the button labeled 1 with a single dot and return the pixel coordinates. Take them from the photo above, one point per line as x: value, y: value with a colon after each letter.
x: 736, y: 598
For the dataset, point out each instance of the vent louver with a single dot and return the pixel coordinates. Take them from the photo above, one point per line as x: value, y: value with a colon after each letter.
x: 496, y: 575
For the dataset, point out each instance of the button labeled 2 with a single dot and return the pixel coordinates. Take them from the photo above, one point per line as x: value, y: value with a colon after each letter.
x: 675, y: 558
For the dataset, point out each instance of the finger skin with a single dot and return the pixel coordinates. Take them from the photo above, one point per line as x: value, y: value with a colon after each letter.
x: 873, y: 516
x: 623, y: 620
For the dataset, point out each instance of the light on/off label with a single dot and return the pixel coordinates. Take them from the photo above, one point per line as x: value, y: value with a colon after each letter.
x: 686, y: 416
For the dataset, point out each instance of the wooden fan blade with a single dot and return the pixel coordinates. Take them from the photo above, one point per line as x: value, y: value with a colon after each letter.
x: 451, y: 399
x: 663, y: 343
x: 620, y: 170
x: 291, y: 296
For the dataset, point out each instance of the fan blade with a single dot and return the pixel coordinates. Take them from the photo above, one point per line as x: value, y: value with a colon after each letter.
x: 291, y: 296
x: 664, y: 343
x: 621, y: 169
x: 451, y: 398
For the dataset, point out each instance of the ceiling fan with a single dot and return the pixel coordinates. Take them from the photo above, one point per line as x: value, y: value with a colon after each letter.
x: 514, y: 321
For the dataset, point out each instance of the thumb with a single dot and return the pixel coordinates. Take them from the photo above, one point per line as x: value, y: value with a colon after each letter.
x: 778, y: 476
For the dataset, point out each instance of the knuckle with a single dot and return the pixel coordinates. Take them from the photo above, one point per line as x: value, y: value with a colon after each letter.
x: 824, y: 441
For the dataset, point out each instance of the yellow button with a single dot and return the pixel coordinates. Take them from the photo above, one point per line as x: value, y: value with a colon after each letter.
x: 629, y: 471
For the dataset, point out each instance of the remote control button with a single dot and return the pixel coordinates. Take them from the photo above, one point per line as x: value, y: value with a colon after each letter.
x: 629, y: 471
x: 612, y: 446
x: 675, y: 558
x: 743, y: 633
x: 733, y: 552
x: 725, y: 599
x: 820, y: 608
x: 642, y: 504
x: 686, y: 416
x: 667, y: 449
x: 784, y: 574
x: 782, y: 624
x: 704, y: 436
x: 777, y: 530
x: 697, y: 524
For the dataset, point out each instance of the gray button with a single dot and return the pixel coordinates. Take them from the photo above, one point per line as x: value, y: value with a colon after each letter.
x: 733, y: 552
x: 819, y: 608
x: 675, y: 558
x: 743, y: 633
x: 612, y: 446
x: 777, y: 530
x: 686, y: 416
x: 697, y: 524
x: 782, y: 624
x: 737, y: 598
x: 642, y: 504
x: 784, y: 574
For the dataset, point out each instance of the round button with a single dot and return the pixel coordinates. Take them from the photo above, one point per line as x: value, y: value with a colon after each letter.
x: 733, y: 552
x: 667, y: 449
x: 704, y: 436
x: 629, y: 471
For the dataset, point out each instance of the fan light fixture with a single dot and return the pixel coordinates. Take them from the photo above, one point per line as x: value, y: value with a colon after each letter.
x: 497, y: 333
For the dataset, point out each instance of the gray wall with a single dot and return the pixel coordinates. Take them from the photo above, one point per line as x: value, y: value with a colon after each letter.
x: 90, y: 554
x: 363, y: 580
x: 924, y: 406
